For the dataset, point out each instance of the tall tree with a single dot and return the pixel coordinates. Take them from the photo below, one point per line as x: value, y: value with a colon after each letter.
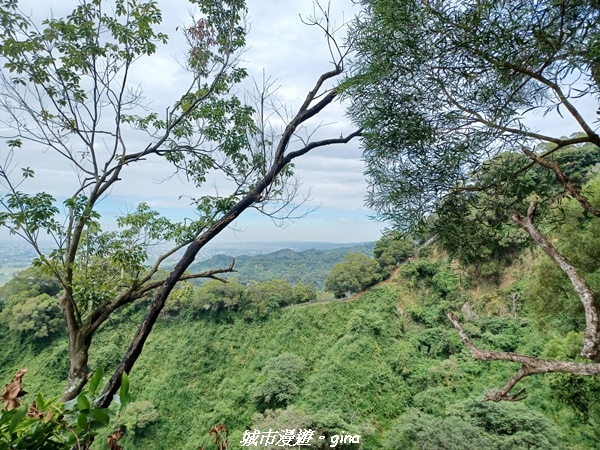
x: 66, y: 87
x: 442, y: 87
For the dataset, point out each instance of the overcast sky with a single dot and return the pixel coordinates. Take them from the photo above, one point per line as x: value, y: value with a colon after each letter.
x: 281, y: 47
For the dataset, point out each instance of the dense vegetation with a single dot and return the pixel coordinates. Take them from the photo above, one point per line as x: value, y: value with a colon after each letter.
x: 386, y: 365
x: 308, y: 266
x: 449, y: 158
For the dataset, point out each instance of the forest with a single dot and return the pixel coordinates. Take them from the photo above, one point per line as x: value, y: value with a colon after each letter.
x: 471, y: 323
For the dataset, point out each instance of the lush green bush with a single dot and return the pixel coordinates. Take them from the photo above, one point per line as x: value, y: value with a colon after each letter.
x: 475, y: 425
x: 138, y: 416
x: 217, y: 298
x: 304, y: 292
x: 29, y: 304
x: 356, y: 273
x: 393, y: 248
x: 281, y: 378
x: 262, y: 299
x: 415, y: 430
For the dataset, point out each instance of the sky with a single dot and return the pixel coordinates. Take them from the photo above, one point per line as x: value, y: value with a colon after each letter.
x: 281, y: 47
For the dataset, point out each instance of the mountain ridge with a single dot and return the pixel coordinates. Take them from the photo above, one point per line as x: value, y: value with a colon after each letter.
x: 306, y: 266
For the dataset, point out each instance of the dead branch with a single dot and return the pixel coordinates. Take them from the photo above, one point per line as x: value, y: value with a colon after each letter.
x: 529, y: 365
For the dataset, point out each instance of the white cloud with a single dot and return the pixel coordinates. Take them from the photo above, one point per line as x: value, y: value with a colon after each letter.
x: 284, y: 48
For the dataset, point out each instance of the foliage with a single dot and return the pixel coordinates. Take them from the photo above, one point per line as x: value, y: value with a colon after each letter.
x: 49, y: 424
x: 39, y: 316
x: 393, y: 248
x: 370, y: 364
x: 138, y: 416
x: 480, y: 425
x: 304, y: 293
x: 444, y: 92
x: 549, y: 292
x: 223, y: 300
x: 216, y: 297
x: 66, y: 85
x: 415, y: 430
x: 475, y: 227
x: 424, y: 272
x: 263, y: 298
x: 29, y: 305
x: 356, y: 273
x: 281, y: 378
x: 440, y: 88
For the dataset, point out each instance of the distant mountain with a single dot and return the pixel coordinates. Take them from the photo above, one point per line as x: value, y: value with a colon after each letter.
x: 307, y: 266
x: 291, y: 261
x: 253, y: 248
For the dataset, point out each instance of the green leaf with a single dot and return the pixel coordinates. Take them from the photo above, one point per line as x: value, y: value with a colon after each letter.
x: 124, y: 390
x: 82, y: 402
x: 95, y: 381
x: 70, y: 405
x: 40, y: 401
x: 124, y: 395
x: 27, y: 172
x: 14, y: 143
x: 17, y: 418
x: 82, y: 421
x: 100, y: 415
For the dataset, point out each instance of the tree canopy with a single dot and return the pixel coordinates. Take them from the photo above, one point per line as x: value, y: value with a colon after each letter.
x: 446, y: 93
x: 356, y: 273
x: 440, y: 88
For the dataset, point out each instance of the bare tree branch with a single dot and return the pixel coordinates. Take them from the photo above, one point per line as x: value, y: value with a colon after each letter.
x: 564, y: 180
x: 529, y: 365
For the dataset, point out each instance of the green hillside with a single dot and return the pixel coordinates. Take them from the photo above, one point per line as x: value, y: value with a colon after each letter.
x: 308, y: 266
x: 386, y: 366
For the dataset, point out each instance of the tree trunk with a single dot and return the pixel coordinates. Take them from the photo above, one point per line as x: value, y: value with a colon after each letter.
x: 591, y: 337
x: 79, y: 347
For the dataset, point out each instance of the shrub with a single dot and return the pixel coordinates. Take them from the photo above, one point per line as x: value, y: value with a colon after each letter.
x: 138, y: 416
x: 281, y: 379
x: 356, y: 273
x: 51, y: 425
x: 304, y: 293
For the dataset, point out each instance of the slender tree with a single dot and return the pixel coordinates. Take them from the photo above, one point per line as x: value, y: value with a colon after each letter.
x: 66, y: 88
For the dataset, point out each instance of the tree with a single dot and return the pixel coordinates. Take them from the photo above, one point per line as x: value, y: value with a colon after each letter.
x: 66, y: 87
x: 356, y: 273
x: 304, y: 293
x: 28, y: 304
x: 393, y: 248
x: 440, y: 88
x: 261, y: 299
x: 281, y: 377
x: 217, y: 297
